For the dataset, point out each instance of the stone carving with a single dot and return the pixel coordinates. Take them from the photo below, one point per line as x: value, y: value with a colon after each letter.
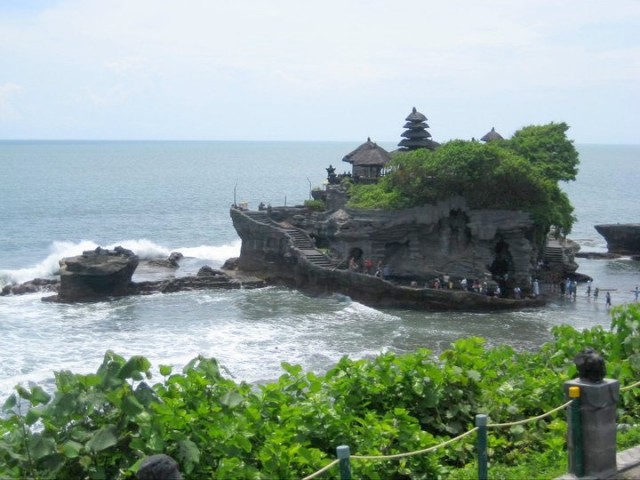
x: 591, y: 366
x: 159, y: 467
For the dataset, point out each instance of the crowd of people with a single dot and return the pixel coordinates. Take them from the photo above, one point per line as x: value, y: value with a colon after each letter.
x: 567, y: 287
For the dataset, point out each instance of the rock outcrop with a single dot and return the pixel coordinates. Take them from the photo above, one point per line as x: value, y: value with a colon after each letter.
x: 449, y: 238
x: 96, y: 274
x: 172, y: 261
x: 102, y: 274
x: 622, y: 238
x: 295, y: 256
x: 32, y: 286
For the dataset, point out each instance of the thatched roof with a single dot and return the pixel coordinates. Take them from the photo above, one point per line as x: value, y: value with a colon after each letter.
x: 415, y: 125
x: 414, y: 143
x: 416, y: 134
x: 416, y: 116
x: 369, y: 153
x: 492, y: 135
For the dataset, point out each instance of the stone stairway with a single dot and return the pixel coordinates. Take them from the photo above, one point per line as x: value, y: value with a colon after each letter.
x: 303, y: 243
x: 299, y: 239
x: 553, y: 255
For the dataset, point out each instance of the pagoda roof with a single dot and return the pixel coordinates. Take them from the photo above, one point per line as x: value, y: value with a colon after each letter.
x: 412, y: 144
x: 414, y: 125
x: 416, y: 134
x: 416, y: 116
x: 369, y: 153
x: 492, y: 135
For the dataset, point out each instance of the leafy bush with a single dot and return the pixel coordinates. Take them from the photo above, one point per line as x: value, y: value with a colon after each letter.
x: 102, y: 425
x: 317, y: 205
x: 517, y: 174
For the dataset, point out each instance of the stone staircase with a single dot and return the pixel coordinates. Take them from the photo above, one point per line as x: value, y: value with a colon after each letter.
x: 303, y: 243
x: 299, y: 239
x: 553, y: 255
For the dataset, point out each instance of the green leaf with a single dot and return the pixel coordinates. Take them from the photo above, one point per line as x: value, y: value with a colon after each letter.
x: 23, y: 392
x: 474, y: 375
x: 188, y: 454
x: 72, y: 449
x: 104, y: 438
x: 131, y: 406
x: 134, y: 367
x: 40, y: 446
x: 165, y: 370
x: 38, y: 395
x: 32, y: 416
x: 9, y: 403
x: 231, y: 399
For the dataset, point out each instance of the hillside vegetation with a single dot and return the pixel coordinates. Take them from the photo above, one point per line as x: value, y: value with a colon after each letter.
x: 521, y: 173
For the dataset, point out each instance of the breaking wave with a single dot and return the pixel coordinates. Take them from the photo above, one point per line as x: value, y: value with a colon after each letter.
x: 145, y: 249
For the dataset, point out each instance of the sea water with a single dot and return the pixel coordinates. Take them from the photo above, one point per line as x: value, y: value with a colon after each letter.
x: 61, y: 198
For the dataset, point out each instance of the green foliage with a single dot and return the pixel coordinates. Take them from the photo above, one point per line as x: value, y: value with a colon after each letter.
x: 317, y: 205
x: 547, y: 148
x: 517, y: 174
x: 102, y: 425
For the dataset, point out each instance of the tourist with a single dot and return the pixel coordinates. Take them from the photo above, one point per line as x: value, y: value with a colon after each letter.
x: 635, y: 292
x: 588, y: 288
x: 536, y: 288
x: 607, y: 300
x: 353, y: 265
x: 596, y: 292
x: 368, y: 264
x: 386, y: 272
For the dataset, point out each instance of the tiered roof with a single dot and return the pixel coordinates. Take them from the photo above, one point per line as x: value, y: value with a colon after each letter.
x: 416, y: 135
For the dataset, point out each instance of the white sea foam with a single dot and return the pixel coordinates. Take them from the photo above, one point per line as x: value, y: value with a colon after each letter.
x: 212, y: 253
x: 145, y: 249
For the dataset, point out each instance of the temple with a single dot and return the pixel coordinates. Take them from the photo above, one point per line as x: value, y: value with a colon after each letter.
x: 476, y: 254
x: 368, y: 162
x: 416, y: 135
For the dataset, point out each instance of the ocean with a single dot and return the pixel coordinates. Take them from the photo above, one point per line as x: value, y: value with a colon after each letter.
x: 60, y: 198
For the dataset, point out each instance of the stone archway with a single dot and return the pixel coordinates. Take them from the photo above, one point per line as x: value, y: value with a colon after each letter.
x: 356, y: 253
x: 502, y: 266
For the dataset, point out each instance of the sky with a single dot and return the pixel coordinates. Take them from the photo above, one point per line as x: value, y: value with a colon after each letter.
x: 336, y: 70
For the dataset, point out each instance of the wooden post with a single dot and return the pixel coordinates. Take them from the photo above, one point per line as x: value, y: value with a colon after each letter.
x: 343, y: 465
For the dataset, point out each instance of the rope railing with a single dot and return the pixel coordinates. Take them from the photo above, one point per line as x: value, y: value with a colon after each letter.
x: 530, y: 419
x: 629, y: 387
x: 322, y: 470
x: 455, y: 439
x: 417, y: 452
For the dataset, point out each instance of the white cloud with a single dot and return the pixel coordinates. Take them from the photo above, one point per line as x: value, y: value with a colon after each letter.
x: 198, y: 56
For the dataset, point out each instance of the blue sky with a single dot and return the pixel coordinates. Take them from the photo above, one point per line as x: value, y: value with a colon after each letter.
x: 331, y: 70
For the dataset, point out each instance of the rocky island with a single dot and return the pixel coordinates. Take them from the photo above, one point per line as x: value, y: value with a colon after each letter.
x: 458, y: 244
x: 622, y: 238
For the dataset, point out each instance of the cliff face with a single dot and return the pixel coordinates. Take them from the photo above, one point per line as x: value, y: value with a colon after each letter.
x: 425, y: 242
x: 286, y: 245
x: 622, y: 238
